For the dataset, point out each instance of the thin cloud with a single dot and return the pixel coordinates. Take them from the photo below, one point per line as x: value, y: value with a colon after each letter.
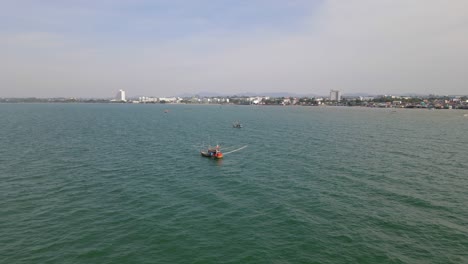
x: 367, y: 46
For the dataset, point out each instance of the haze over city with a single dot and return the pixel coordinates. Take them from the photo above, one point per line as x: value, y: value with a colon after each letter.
x: 163, y: 48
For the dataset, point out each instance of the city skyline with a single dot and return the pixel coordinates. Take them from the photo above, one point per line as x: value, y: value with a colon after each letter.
x: 161, y: 48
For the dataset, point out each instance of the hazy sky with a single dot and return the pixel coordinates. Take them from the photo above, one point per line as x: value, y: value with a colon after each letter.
x: 92, y: 48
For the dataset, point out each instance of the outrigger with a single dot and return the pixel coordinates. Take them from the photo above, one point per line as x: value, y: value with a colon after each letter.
x: 214, y: 153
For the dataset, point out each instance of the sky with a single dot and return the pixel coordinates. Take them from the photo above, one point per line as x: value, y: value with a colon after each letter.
x: 92, y: 48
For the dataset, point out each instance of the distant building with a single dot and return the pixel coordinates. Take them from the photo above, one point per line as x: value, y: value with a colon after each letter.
x: 146, y: 99
x: 121, y: 96
x: 366, y: 98
x: 335, y: 95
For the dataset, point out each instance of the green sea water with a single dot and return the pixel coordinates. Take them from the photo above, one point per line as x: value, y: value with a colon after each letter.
x: 121, y: 183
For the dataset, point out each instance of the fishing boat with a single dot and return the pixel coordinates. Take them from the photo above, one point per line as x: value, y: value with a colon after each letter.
x: 237, y: 124
x: 214, y: 153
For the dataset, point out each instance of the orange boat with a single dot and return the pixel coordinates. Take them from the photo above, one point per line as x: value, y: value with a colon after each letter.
x: 214, y: 153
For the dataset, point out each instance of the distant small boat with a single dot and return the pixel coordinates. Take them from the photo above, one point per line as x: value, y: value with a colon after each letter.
x: 166, y: 111
x: 214, y: 153
x: 237, y: 124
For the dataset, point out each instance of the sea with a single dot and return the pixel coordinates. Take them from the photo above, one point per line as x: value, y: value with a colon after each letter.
x: 125, y: 183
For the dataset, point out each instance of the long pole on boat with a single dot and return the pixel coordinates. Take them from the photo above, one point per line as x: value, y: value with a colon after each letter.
x: 232, y: 151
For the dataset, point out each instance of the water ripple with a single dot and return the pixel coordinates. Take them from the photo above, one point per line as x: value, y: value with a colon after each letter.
x: 125, y: 184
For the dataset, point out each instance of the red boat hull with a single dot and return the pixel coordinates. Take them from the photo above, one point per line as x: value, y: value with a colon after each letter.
x: 213, y: 155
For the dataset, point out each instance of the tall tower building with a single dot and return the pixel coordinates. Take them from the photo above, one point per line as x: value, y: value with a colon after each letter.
x: 335, y: 95
x: 121, y: 96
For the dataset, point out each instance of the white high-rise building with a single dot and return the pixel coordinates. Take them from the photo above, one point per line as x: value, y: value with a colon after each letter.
x: 335, y: 95
x: 121, y: 96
